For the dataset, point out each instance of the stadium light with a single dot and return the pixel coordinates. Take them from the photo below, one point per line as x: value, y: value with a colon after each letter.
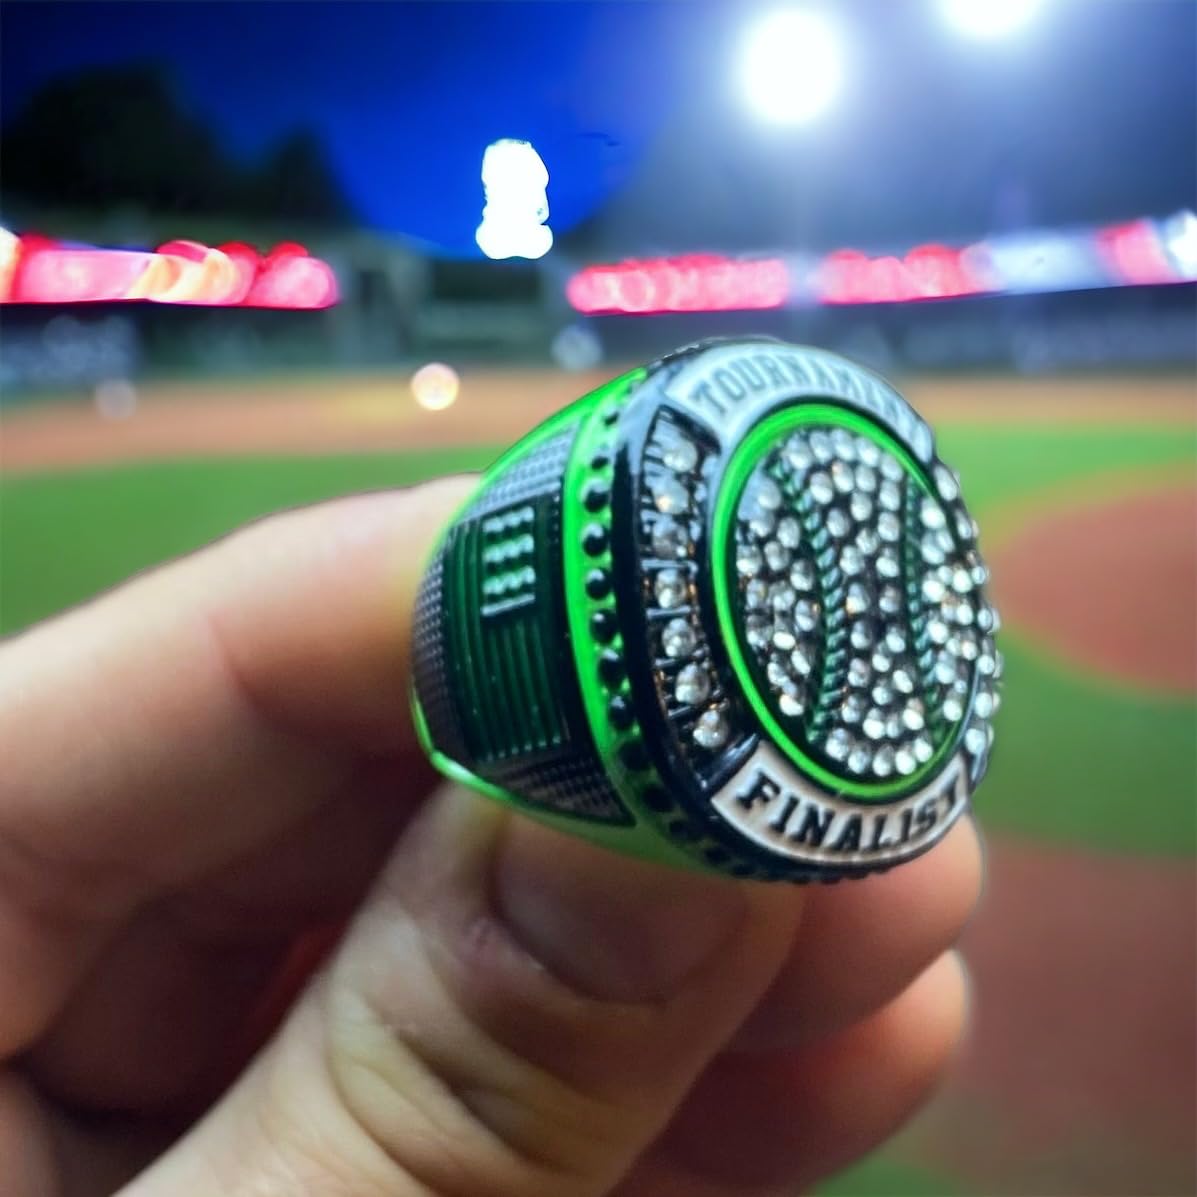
x: 791, y: 66
x: 989, y: 18
x: 513, y: 221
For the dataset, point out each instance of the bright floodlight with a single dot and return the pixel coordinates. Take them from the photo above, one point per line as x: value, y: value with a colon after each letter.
x: 514, y: 179
x: 989, y: 18
x: 792, y: 65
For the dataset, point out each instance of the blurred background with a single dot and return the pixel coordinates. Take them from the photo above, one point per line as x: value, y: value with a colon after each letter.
x: 254, y: 255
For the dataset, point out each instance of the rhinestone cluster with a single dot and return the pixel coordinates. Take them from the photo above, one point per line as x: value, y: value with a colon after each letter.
x: 674, y: 498
x: 861, y: 601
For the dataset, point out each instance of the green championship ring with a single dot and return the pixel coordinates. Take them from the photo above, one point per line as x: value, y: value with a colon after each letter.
x: 727, y: 611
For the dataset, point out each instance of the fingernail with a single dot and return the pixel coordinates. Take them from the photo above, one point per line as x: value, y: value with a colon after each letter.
x: 611, y: 927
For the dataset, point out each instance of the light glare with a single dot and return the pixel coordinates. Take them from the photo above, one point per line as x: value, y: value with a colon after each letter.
x: 792, y: 66
x: 435, y: 386
x: 989, y: 18
x: 513, y: 221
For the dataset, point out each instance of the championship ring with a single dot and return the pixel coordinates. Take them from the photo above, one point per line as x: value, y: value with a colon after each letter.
x: 726, y: 611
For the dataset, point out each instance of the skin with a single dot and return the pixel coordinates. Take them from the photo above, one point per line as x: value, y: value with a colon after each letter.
x: 250, y: 945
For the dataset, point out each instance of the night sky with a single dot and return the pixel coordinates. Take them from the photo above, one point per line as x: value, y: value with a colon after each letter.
x: 1088, y: 115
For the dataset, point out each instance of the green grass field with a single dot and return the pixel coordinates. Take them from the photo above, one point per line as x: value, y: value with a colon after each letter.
x: 1076, y: 755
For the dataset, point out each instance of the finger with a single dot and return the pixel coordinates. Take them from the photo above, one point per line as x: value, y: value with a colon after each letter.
x: 861, y: 944
x: 186, y: 718
x: 165, y: 1010
x: 515, y: 1012
x: 774, y: 1123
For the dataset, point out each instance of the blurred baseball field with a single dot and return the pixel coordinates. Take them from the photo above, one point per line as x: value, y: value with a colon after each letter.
x: 1079, y: 1077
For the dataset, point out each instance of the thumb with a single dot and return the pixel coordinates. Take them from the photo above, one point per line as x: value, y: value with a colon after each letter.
x: 513, y: 1012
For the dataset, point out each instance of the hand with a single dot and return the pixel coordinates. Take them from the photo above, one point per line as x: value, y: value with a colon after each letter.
x: 211, y: 770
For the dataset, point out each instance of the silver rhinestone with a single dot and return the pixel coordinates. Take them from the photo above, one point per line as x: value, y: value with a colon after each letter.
x: 781, y: 596
x: 789, y: 532
x: 670, y: 495
x: 761, y: 523
x: 669, y: 538
x: 766, y: 493
x: 842, y: 477
x: 838, y: 523
x: 904, y: 761
x: 912, y: 715
x: 783, y: 638
x: 670, y: 588
x: 693, y: 685
x: 975, y: 740
x: 891, y: 600
x: 858, y: 673
x: 777, y: 556
x: 866, y: 480
x: 889, y: 496
x: 945, y: 669
x: 851, y: 560
x: 679, y: 639
x: 797, y: 454
x: 953, y: 708
x: 860, y: 507
x: 895, y: 641
x: 922, y: 749
x: 852, y: 709
x: 861, y: 636
x: 802, y: 575
x: 995, y: 619
x: 882, y: 695
x: 806, y: 615
x: 838, y: 745
x: 984, y: 618
x: 801, y: 662
x: 946, y: 484
x: 777, y: 674
x: 756, y: 593
x: 929, y: 548
x: 964, y: 614
x: 893, y: 727
x: 931, y: 513
x: 891, y: 467
x: 757, y: 629
x: 944, y: 539
x: 843, y: 444
x: 985, y: 665
x: 968, y: 646
x: 867, y: 451
x: 749, y: 560
x: 868, y: 541
x: 933, y: 589
x: 888, y: 526
x: 791, y: 704
x: 711, y: 730
x: 873, y: 724
x: 983, y: 704
x: 858, y: 600
x: 999, y: 663
x: 820, y: 446
x: 979, y: 572
x: 964, y: 526
x: 887, y: 564
x: 882, y: 661
x: 859, y: 759
x: 820, y: 487
x: 883, y: 762
x: 995, y: 699
x: 903, y: 682
x: 680, y: 455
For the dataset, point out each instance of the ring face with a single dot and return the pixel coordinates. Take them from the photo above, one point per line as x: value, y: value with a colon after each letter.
x: 780, y: 645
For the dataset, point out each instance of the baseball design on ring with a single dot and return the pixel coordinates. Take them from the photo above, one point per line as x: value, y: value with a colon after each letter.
x: 726, y: 611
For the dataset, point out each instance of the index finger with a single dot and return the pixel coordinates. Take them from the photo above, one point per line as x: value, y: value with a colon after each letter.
x: 190, y: 715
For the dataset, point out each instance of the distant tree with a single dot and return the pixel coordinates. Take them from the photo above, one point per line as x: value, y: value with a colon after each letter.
x: 119, y: 137
x: 296, y: 182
